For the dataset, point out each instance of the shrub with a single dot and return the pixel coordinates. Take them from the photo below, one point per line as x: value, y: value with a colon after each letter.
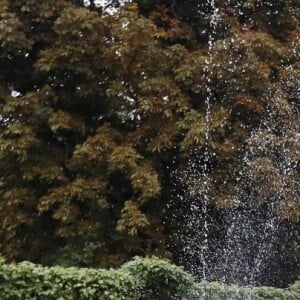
x: 139, y: 279
x: 158, y: 279
x: 33, y: 282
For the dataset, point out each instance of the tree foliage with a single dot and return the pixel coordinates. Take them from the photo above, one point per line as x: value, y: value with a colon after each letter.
x: 98, y: 108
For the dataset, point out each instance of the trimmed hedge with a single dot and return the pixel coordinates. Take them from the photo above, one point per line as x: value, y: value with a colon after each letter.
x: 140, y: 279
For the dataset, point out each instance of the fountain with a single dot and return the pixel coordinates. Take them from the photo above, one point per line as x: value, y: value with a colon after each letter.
x: 244, y: 240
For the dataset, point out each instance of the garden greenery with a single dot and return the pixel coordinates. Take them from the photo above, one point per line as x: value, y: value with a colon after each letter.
x: 100, y: 114
x: 141, y: 278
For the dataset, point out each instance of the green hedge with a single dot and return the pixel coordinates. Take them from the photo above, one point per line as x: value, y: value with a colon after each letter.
x: 140, y: 279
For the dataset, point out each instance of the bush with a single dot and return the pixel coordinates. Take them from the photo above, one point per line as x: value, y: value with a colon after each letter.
x: 218, y: 291
x: 140, y: 279
x: 29, y: 281
x: 158, y: 279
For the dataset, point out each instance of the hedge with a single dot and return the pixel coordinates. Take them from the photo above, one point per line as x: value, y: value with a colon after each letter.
x: 140, y: 279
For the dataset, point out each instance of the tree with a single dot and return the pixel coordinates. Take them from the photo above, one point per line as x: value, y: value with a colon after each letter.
x: 108, y: 106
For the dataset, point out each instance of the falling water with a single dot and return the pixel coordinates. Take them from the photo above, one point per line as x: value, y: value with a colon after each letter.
x: 243, y: 251
x: 205, y: 201
x: 199, y: 177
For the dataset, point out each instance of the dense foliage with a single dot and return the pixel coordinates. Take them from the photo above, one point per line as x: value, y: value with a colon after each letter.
x: 141, y: 278
x: 97, y: 110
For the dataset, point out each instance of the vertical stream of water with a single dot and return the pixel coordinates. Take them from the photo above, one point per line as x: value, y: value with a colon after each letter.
x: 209, y: 95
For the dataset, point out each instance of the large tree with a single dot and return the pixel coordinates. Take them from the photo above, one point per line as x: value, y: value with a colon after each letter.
x: 98, y: 111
